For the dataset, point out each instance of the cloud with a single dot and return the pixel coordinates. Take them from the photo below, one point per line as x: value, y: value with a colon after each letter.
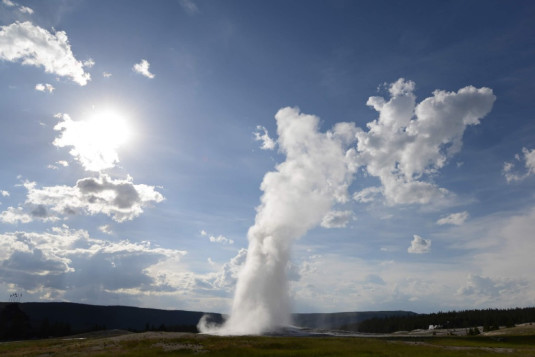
x: 143, y: 68
x: 44, y: 87
x: 454, y: 218
x: 23, y: 9
x: 226, y: 278
x: 106, y: 74
x: 529, y: 163
x: 410, y: 142
x: 89, y: 63
x: 419, y: 245
x: 189, y: 6
x: 35, y: 46
x: 487, y: 289
x: 15, y: 215
x: 4, y: 193
x: 120, y: 199
x: 221, y: 239
x: 106, y: 229
x: 71, y: 265
x: 94, y: 141
x: 267, y: 142
x: 337, y: 219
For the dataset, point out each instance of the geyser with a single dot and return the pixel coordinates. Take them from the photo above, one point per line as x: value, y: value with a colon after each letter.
x: 297, y: 195
x: 406, y: 144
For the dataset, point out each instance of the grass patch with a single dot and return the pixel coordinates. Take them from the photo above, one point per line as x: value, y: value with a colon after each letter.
x: 175, y: 344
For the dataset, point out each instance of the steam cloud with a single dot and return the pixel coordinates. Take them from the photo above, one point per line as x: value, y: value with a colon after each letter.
x: 316, y: 174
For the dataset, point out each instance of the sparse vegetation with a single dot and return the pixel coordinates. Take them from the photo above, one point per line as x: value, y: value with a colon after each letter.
x: 168, y: 343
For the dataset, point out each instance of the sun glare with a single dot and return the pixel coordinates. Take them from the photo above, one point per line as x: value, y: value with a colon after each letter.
x: 108, y: 129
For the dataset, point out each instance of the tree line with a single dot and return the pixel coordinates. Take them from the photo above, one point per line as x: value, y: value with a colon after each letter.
x: 489, y: 319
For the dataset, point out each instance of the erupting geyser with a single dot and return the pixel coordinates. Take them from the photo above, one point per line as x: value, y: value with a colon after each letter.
x: 405, y: 144
x: 301, y: 191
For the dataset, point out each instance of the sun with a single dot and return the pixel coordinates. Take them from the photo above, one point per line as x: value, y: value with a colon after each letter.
x: 108, y: 129
x: 95, y: 140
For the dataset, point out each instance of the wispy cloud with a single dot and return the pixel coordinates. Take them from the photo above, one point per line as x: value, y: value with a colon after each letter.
x: 35, y: 46
x: 454, y: 218
x: 189, y: 6
x: 261, y: 134
x: 143, y: 68
x: 337, y: 219
x: 528, y: 158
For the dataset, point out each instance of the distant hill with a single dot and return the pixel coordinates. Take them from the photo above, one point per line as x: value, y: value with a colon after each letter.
x: 343, y: 320
x: 83, y: 317
x: 61, y: 318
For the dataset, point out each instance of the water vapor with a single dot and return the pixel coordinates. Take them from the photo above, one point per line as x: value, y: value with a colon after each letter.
x: 297, y: 195
x: 408, y: 144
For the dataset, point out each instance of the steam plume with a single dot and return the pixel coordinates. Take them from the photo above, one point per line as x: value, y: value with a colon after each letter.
x: 297, y: 195
x: 402, y: 147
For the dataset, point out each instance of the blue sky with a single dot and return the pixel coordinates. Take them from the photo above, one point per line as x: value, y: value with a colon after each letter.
x: 136, y: 135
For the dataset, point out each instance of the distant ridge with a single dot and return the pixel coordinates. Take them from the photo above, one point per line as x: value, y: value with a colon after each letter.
x: 342, y: 320
x: 85, y: 317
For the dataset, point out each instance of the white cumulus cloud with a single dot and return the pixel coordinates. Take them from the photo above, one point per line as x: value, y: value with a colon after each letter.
x: 15, y: 215
x: 120, y: 199
x: 419, y: 245
x: 454, y: 218
x: 71, y: 265
x: 35, y: 46
x: 409, y: 141
x: 94, y: 142
x: 143, y: 68
x: 44, y: 87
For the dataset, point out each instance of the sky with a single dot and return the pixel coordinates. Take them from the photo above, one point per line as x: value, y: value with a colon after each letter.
x: 136, y: 137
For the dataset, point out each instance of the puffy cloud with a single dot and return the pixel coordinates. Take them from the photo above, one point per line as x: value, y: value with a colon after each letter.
x: 70, y: 264
x: 409, y: 141
x: 419, y: 245
x: 120, y: 199
x: 337, y: 219
x: 44, y: 87
x: 221, y: 239
x: 454, y: 218
x: 4, y: 193
x: 143, y: 68
x: 106, y: 229
x: 94, y: 141
x: 15, y: 215
x: 529, y: 162
x: 35, y: 46
x: 261, y: 134
x: 226, y: 278
x: 8, y: 3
